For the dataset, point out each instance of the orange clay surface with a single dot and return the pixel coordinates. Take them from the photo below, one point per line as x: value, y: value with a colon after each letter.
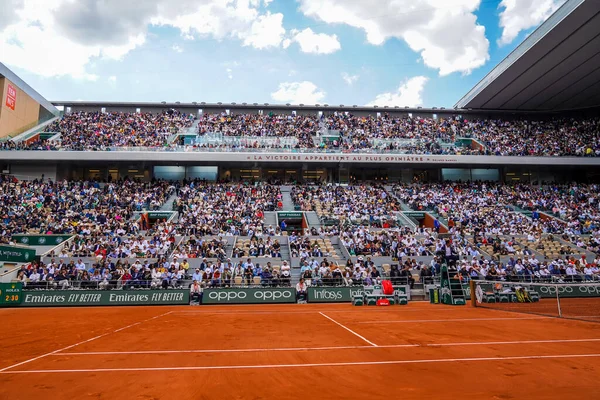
x: 310, y: 351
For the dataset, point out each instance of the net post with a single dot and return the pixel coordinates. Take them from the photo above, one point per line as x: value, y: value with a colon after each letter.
x: 558, y: 302
x: 473, y: 296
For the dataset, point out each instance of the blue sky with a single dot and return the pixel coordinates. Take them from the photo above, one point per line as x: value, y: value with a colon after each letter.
x: 417, y: 52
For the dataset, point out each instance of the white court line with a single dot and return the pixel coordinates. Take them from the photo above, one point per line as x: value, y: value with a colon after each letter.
x: 353, y: 311
x: 348, y: 329
x: 333, y: 364
x: 391, y: 346
x: 409, y: 321
x: 79, y: 343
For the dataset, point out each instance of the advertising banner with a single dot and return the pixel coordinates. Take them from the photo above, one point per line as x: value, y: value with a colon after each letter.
x: 11, y: 97
x: 54, y: 298
x: 16, y: 254
x: 324, y: 294
x: 546, y: 291
x: 249, y: 296
x: 10, y: 293
x: 40, y: 240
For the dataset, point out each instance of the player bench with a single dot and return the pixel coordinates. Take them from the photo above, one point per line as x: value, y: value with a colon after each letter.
x: 371, y: 294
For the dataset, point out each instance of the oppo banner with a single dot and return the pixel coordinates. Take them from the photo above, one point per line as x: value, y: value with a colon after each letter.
x: 567, y: 290
x: 249, y: 295
x: 547, y: 291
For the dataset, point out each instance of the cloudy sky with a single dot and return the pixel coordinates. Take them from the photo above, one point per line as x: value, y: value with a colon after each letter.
x: 383, y: 52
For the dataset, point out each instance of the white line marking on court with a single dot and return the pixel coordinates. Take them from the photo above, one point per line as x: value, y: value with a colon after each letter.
x: 348, y: 329
x: 230, y: 350
x: 79, y: 343
x: 391, y: 346
x: 333, y: 364
x: 409, y: 321
x: 370, y: 310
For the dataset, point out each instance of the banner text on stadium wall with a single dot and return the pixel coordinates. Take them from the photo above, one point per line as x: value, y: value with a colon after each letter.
x: 548, y: 291
x: 318, y: 294
x: 249, y: 296
x: 53, y: 298
x: 16, y: 254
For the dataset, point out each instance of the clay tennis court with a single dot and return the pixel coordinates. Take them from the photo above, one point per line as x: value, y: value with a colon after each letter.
x: 309, y: 351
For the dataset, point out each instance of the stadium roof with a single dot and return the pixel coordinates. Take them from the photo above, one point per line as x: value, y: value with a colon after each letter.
x: 556, y: 68
x: 11, y: 76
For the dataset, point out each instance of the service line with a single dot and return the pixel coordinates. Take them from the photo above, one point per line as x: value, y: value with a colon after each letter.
x: 332, y: 364
x: 326, y: 348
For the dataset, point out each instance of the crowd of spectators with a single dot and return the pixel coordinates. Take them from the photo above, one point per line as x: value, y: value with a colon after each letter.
x: 101, y: 131
x: 484, y: 219
x: 530, y: 269
x: 417, y: 135
x: 345, y: 132
x: 224, y: 209
x: 115, y: 246
x: 261, y: 126
x: 556, y: 137
x: 76, y: 207
x: 359, y: 204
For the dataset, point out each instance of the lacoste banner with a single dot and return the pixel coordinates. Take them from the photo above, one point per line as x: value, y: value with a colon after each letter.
x: 249, y: 295
x: 53, y: 298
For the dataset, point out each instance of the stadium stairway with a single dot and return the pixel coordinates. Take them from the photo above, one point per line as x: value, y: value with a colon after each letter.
x: 168, y: 206
x: 285, y: 253
x: 403, y: 206
x: 312, y: 219
x: 270, y: 218
x: 286, y: 198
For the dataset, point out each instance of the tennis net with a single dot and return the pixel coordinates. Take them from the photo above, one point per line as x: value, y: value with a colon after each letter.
x: 563, y: 300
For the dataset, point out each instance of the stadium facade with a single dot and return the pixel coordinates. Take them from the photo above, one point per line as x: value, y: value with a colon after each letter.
x: 292, y: 164
x: 552, y: 74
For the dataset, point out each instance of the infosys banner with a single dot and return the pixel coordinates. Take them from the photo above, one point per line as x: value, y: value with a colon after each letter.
x: 249, y: 296
x: 332, y: 294
x: 56, y: 298
x: 343, y: 294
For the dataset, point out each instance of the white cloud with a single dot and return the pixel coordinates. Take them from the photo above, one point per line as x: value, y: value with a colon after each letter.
x: 177, y: 49
x: 298, y: 93
x: 229, y: 73
x: 266, y: 31
x: 318, y: 43
x: 70, y: 35
x: 409, y: 93
x: 520, y: 15
x: 112, y: 79
x: 444, y: 32
x: 349, y: 79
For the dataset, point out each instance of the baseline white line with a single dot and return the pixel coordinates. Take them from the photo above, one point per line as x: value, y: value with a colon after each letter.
x: 391, y: 346
x: 401, y: 310
x: 79, y: 343
x: 348, y: 329
x: 409, y: 321
x: 333, y: 364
